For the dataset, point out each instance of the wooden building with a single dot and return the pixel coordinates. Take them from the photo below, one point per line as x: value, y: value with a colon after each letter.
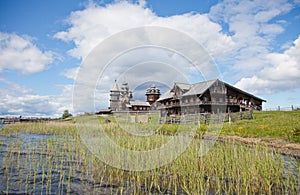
x: 138, y: 106
x: 121, y: 99
x: 211, y: 96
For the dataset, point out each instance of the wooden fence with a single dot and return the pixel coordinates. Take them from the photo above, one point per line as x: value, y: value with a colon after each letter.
x: 206, y: 118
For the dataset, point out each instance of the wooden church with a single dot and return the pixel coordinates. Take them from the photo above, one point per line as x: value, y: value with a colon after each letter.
x: 121, y: 99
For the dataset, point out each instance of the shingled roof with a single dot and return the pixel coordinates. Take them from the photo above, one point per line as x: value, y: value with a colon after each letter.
x: 168, y: 95
x: 188, y: 89
x: 199, y: 89
x: 139, y: 103
x: 183, y: 86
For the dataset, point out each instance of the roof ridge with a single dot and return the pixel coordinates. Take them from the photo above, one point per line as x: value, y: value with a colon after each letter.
x: 207, y: 81
x: 182, y: 83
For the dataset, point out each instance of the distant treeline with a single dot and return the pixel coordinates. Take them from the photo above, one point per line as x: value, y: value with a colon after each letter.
x: 12, y: 120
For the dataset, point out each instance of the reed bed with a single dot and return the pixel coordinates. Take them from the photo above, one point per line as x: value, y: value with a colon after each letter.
x: 51, y: 159
x: 49, y: 128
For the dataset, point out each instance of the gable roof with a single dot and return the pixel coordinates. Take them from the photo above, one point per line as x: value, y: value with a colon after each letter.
x: 244, y: 92
x: 182, y: 86
x: 188, y: 89
x: 168, y: 95
x: 139, y: 103
x: 200, y: 88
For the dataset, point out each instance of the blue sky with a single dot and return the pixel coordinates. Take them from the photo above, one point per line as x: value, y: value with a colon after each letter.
x: 255, y: 44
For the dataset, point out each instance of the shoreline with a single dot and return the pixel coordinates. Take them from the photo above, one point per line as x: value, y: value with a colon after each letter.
x: 283, y: 146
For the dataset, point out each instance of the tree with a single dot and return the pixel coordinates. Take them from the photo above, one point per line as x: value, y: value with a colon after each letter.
x: 66, y: 114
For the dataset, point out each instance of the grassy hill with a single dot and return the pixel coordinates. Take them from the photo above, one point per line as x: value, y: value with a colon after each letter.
x: 274, y: 124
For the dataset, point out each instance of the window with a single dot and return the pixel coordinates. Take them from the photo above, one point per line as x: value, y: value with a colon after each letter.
x: 192, y: 100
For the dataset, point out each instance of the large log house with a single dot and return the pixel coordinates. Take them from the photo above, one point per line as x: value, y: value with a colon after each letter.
x: 206, y: 97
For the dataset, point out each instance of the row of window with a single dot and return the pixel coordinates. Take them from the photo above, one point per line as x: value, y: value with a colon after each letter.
x: 203, y: 100
x: 140, y: 108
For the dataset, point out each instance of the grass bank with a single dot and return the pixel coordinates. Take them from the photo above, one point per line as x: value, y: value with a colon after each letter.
x: 283, y: 125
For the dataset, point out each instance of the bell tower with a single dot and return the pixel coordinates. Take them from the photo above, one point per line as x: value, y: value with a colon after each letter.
x: 114, y: 97
x: 152, y: 94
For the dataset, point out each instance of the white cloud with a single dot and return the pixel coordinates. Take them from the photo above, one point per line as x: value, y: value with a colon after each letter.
x: 271, y: 29
x: 92, y: 25
x: 253, y: 27
x: 18, y: 100
x: 257, y: 66
x: 282, y: 73
x: 14, y: 88
x: 71, y: 73
x: 19, y: 53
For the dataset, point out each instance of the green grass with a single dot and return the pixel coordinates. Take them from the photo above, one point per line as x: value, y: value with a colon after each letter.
x: 272, y: 124
x: 283, y: 125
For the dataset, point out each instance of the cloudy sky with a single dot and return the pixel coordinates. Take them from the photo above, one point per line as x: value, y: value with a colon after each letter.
x: 254, y: 44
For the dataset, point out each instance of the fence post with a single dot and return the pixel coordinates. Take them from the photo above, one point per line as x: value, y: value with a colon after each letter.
x: 251, y: 113
x: 218, y: 113
x: 229, y: 116
x: 241, y: 115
